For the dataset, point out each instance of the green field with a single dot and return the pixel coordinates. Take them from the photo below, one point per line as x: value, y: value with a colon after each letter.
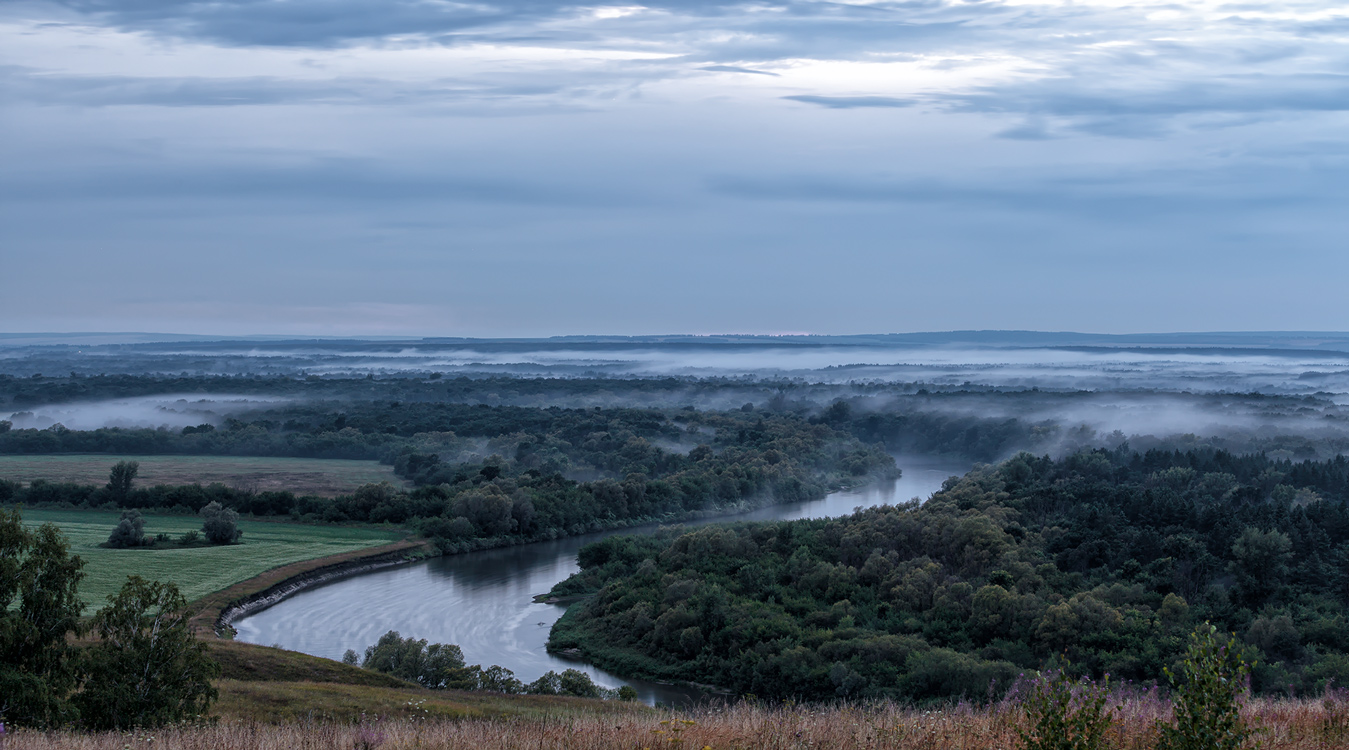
x: 199, y: 570
x: 303, y: 476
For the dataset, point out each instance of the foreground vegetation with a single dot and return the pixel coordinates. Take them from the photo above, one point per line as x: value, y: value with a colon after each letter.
x: 1107, y: 557
x: 573, y: 724
x: 197, y: 571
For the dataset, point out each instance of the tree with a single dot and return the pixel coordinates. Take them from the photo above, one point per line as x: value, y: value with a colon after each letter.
x: 37, y: 662
x: 220, y: 524
x: 488, y: 508
x: 435, y: 665
x: 129, y: 532
x: 570, y: 682
x: 1260, y: 562
x: 147, y: 669
x: 120, y: 478
x: 500, y: 680
x: 1207, y: 695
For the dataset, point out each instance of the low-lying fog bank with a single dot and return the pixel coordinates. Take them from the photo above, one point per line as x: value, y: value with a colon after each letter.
x: 1271, y: 363
x: 168, y: 411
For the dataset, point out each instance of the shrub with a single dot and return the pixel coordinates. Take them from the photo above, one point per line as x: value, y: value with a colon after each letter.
x: 220, y: 524
x: 190, y: 536
x: 1206, y: 696
x: 129, y: 532
x: 1065, y: 714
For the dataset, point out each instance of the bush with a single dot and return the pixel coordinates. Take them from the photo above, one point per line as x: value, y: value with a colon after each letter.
x: 1065, y: 714
x: 220, y: 524
x: 1206, y: 699
x: 190, y: 536
x: 129, y: 532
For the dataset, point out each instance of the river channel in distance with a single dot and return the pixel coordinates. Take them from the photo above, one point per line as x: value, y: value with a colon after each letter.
x: 483, y: 601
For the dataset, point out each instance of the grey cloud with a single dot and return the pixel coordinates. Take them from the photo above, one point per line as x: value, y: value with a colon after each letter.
x: 316, y: 23
x: 822, y: 29
x: 734, y: 69
x: 323, y: 180
x: 98, y: 91
x: 851, y: 102
x: 1225, y: 95
x: 1034, y: 130
x: 1123, y: 196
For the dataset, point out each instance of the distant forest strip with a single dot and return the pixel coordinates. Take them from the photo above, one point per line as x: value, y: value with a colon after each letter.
x: 522, y: 491
x: 1108, y: 557
x: 381, y: 418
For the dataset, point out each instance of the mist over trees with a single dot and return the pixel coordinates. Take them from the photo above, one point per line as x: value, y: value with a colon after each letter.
x: 548, y: 473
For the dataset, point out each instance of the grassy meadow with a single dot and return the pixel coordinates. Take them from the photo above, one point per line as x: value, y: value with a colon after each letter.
x: 303, y: 476
x: 496, y: 723
x: 197, y: 571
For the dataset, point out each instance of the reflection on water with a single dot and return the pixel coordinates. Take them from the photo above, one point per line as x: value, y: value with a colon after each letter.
x: 483, y: 601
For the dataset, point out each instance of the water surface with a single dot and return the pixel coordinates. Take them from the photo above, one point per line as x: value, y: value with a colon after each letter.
x: 483, y: 601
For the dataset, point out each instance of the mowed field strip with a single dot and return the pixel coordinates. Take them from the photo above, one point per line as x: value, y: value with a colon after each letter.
x: 198, y: 570
x: 303, y: 476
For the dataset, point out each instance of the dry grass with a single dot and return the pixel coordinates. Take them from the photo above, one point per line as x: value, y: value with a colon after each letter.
x: 303, y: 476
x: 501, y: 724
x: 285, y: 703
x: 249, y: 662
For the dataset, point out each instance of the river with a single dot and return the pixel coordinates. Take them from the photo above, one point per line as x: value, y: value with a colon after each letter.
x: 483, y: 601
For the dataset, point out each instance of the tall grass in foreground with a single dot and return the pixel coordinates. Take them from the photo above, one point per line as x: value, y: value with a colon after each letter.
x: 1320, y: 724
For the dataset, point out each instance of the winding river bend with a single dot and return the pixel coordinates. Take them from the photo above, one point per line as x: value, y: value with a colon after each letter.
x: 483, y: 601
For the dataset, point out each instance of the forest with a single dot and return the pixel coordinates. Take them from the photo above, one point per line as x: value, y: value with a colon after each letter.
x: 1105, y: 558
x: 378, y: 417
x: 509, y: 474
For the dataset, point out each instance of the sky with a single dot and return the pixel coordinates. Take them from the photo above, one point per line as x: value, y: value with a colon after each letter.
x: 527, y: 168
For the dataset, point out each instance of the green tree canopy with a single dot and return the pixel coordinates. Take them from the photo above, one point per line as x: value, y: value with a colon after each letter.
x: 147, y: 669
x: 38, y: 610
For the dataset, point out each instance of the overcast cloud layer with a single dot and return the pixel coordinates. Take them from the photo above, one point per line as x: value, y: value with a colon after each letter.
x: 529, y: 168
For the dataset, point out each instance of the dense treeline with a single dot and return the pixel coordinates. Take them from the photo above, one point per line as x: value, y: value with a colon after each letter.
x: 377, y: 418
x: 520, y: 491
x: 1107, y: 557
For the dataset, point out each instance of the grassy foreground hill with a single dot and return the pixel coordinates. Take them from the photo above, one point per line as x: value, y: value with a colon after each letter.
x: 575, y: 724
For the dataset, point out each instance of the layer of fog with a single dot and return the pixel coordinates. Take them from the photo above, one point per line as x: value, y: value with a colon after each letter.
x: 170, y: 411
x: 1058, y: 368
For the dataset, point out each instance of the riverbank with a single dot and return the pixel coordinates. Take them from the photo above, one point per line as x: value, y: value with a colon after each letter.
x: 222, y: 608
x: 484, y: 601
